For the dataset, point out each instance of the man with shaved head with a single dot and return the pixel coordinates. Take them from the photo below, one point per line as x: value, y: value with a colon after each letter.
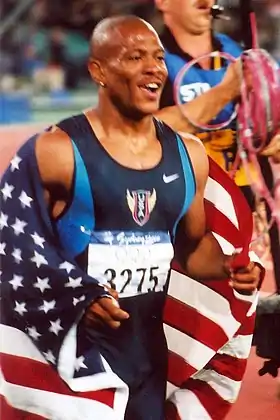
x: 113, y: 191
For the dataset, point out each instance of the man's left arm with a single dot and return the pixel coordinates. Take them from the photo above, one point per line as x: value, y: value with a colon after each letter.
x: 198, y: 250
x: 204, y: 107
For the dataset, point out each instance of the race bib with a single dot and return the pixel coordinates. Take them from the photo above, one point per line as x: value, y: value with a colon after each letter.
x: 130, y: 262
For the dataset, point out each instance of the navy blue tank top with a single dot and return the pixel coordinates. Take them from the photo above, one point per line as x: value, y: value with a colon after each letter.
x: 120, y: 227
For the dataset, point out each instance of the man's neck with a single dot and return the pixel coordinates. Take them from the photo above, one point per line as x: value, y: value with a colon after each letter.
x: 116, y: 124
x: 192, y: 44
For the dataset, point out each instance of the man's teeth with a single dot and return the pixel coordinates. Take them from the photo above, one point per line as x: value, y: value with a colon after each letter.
x: 152, y: 86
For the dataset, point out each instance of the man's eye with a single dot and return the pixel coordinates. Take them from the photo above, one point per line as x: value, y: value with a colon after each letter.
x: 161, y: 58
x: 135, y: 58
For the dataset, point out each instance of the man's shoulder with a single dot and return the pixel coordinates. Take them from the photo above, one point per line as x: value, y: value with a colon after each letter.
x: 198, y: 157
x: 58, y: 135
x: 52, y: 138
x: 54, y: 155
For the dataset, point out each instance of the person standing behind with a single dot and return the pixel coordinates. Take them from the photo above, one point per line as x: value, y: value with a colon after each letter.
x: 188, y: 34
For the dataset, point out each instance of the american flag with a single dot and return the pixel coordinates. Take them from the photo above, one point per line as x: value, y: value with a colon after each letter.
x: 208, y: 326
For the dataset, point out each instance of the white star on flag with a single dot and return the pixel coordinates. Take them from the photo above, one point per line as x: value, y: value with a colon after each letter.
x: 79, y: 363
x: 17, y: 255
x: 3, y: 220
x: 15, y: 163
x: 20, y: 308
x: 77, y: 300
x: 38, y: 240
x: 42, y: 284
x: 7, y: 191
x: 33, y: 333
x: 2, y: 248
x: 25, y: 199
x: 49, y: 356
x: 16, y: 282
x: 74, y: 283
x: 47, y: 306
x: 19, y: 226
x: 38, y: 259
x: 55, y: 326
x: 67, y: 266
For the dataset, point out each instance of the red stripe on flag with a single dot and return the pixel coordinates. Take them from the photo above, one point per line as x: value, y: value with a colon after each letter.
x: 239, y: 308
x: 243, y: 213
x: 7, y: 412
x: 43, y: 377
x: 229, y: 366
x: 213, y: 403
x: 220, y: 224
x: 171, y: 412
x: 202, y: 328
x: 248, y: 326
x: 179, y: 370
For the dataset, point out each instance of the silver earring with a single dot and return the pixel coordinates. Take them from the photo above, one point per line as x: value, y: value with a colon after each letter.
x: 102, y: 84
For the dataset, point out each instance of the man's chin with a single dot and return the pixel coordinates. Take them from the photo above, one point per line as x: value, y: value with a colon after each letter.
x: 203, y: 25
x: 149, y: 109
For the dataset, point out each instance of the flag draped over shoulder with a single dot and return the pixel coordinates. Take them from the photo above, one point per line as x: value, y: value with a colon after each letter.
x: 44, y: 293
x: 209, y: 327
x: 43, y: 296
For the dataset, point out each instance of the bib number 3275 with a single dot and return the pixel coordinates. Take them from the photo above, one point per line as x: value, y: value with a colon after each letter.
x: 148, y: 278
x: 131, y: 264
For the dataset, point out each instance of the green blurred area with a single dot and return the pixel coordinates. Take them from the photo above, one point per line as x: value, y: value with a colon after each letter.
x: 75, y: 45
x: 46, y: 110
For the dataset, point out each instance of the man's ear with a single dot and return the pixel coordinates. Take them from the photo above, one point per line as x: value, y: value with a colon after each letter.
x: 162, y: 5
x: 96, y: 71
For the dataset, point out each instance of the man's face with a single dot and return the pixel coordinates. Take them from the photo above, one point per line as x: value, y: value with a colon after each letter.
x: 194, y: 16
x: 135, y: 70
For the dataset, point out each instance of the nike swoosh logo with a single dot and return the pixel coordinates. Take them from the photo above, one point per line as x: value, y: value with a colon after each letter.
x: 169, y: 178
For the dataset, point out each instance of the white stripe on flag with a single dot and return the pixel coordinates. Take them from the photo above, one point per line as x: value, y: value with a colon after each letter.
x: 222, y: 200
x: 195, y: 294
x: 248, y: 298
x: 195, y: 353
x: 188, y: 406
x: 54, y: 406
x: 238, y: 346
x: 17, y: 343
x: 226, y: 246
x: 170, y: 388
x: 227, y: 388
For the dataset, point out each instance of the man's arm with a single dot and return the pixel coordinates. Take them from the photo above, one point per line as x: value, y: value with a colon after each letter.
x: 198, y: 250
x: 55, y: 159
x: 205, y: 107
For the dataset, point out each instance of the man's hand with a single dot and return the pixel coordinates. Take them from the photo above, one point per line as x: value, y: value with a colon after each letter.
x: 233, y: 78
x: 273, y: 149
x: 106, y: 311
x: 244, y: 280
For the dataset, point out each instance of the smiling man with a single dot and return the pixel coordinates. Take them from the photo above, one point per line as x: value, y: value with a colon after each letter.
x: 109, y: 191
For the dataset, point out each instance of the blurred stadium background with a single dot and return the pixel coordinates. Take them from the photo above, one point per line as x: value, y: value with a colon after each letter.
x: 43, y: 78
x: 44, y: 48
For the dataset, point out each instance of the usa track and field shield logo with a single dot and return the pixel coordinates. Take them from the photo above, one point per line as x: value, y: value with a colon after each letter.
x: 141, y: 204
